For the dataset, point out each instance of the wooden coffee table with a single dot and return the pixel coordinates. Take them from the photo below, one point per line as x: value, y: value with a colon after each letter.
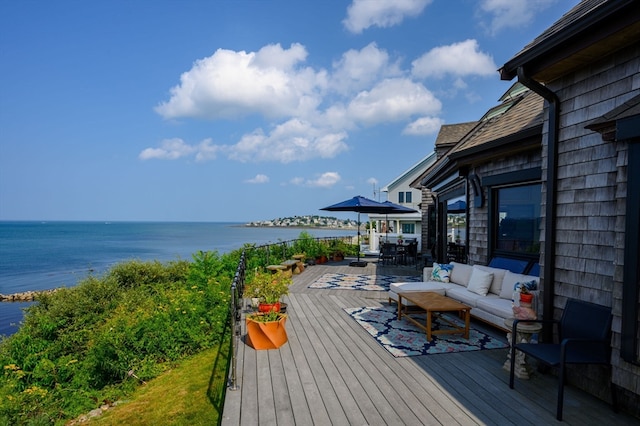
x: 433, y: 304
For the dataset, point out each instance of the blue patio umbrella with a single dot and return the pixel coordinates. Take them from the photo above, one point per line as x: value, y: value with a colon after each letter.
x: 359, y: 205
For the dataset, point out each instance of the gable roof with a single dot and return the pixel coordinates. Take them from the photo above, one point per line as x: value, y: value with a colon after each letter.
x: 450, y: 134
x: 518, y: 128
x: 571, y: 41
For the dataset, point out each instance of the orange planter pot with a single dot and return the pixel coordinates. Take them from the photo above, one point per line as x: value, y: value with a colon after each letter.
x: 526, y: 298
x: 266, y: 335
x: 268, y: 307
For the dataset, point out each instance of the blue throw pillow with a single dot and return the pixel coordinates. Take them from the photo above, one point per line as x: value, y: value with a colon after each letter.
x: 441, y: 272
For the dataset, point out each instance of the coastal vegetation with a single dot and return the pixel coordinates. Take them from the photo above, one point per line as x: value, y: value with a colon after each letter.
x: 93, y: 345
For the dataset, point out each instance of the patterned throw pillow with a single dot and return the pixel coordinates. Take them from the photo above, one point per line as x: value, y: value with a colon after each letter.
x: 530, y: 285
x: 441, y: 272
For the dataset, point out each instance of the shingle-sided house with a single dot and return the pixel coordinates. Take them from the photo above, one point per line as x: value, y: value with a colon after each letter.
x: 587, y: 67
x: 494, y: 168
x: 558, y: 182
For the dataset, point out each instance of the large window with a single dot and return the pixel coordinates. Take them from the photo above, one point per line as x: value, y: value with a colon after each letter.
x: 516, y: 219
x: 407, y: 197
x: 408, y: 228
x: 400, y: 197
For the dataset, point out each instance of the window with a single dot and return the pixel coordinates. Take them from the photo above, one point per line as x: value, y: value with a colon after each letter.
x: 407, y: 197
x: 516, y: 219
x: 400, y: 197
x: 408, y: 228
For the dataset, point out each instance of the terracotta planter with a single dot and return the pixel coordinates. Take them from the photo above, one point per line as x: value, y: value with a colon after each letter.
x: 338, y: 258
x: 321, y: 259
x: 266, y: 335
x: 526, y: 298
x: 269, y: 307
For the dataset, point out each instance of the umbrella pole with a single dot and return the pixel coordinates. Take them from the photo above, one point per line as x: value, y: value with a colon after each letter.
x: 358, y: 262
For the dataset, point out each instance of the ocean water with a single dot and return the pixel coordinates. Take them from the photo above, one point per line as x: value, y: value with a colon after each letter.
x: 45, y: 255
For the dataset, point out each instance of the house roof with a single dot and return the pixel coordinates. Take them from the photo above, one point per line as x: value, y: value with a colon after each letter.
x: 570, y: 42
x: 518, y: 128
x: 450, y: 134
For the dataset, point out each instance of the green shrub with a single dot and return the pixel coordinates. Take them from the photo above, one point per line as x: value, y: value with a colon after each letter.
x: 80, y: 347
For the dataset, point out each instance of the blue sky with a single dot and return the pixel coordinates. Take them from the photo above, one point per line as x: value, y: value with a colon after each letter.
x: 237, y: 110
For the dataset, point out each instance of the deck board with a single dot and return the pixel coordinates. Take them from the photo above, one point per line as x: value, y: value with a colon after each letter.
x: 332, y: 372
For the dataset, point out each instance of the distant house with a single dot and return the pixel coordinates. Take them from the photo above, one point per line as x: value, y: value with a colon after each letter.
x: 400, y: 192
x: 555, y: 179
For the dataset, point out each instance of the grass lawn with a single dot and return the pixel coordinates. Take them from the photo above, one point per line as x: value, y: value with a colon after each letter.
x: 190, y: 394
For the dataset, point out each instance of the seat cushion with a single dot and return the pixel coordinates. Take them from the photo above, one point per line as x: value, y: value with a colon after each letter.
x: 496, y: 306
x: 411, y: 287
x: 463, y: 295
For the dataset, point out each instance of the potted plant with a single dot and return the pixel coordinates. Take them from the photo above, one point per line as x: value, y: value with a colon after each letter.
x: 337, y: 250
x: 525, y: 289
x: 266, y: 326
x: 268, y: 288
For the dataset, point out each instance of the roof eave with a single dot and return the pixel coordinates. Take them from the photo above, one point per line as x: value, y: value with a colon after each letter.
x: 549, y: 47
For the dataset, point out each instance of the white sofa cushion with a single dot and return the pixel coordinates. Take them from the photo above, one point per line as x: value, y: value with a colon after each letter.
x: 496, y: 306
x: 409, y: 287
x: 460, y: 273
x: 463, y: 295
x: 510, y: 280
x: 480, y: 281
x: 418, y: 286
x: 498, y: 277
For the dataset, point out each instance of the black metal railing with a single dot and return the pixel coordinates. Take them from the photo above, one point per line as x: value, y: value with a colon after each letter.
x: 237, y: 289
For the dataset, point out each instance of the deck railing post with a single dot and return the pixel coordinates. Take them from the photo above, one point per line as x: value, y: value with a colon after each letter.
x: 235, y: 306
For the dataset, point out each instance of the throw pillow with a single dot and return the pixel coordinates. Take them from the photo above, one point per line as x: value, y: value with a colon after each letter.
x: 441, y: 272
x: 480, y: 281
x: 529, y: 285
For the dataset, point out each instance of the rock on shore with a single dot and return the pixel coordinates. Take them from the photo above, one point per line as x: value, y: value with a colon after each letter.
x: 24, y: 296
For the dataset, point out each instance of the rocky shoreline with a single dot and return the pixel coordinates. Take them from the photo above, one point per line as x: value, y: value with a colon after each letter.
x: 24, y: 296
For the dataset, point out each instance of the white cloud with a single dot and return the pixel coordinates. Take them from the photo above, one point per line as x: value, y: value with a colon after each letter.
x: 232, y: 84
x: 362, y: 14
x: 173, y: 149
x: 358, y: 69
x: 170, y: 149
x: 294, y: 140
x: 458, y: 59
x: 259, y: 178
x: 325, y: 180
x: 424, y: 126
x: 393, y: 100
x: 507, y: 14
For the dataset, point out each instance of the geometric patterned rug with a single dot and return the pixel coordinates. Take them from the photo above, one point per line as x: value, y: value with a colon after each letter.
x: 402, y: 338
x: 360, y: 282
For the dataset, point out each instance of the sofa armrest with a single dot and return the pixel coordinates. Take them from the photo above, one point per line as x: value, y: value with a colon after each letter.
x: 426, y: 273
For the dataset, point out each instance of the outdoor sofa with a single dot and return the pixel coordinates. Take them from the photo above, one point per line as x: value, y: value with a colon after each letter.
x: 488, y: 290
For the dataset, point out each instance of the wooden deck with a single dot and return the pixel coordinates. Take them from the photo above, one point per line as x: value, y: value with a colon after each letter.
x: 332, y: 372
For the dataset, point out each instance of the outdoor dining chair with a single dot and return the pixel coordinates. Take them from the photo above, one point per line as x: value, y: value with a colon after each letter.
x: 584, y: 335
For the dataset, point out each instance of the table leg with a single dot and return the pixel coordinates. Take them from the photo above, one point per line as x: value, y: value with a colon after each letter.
x: 467, y: 320
x: 399, y: 307
x: 428, y: 325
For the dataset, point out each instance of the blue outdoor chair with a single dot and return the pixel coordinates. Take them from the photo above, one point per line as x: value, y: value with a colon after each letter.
x: 584, y: 333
